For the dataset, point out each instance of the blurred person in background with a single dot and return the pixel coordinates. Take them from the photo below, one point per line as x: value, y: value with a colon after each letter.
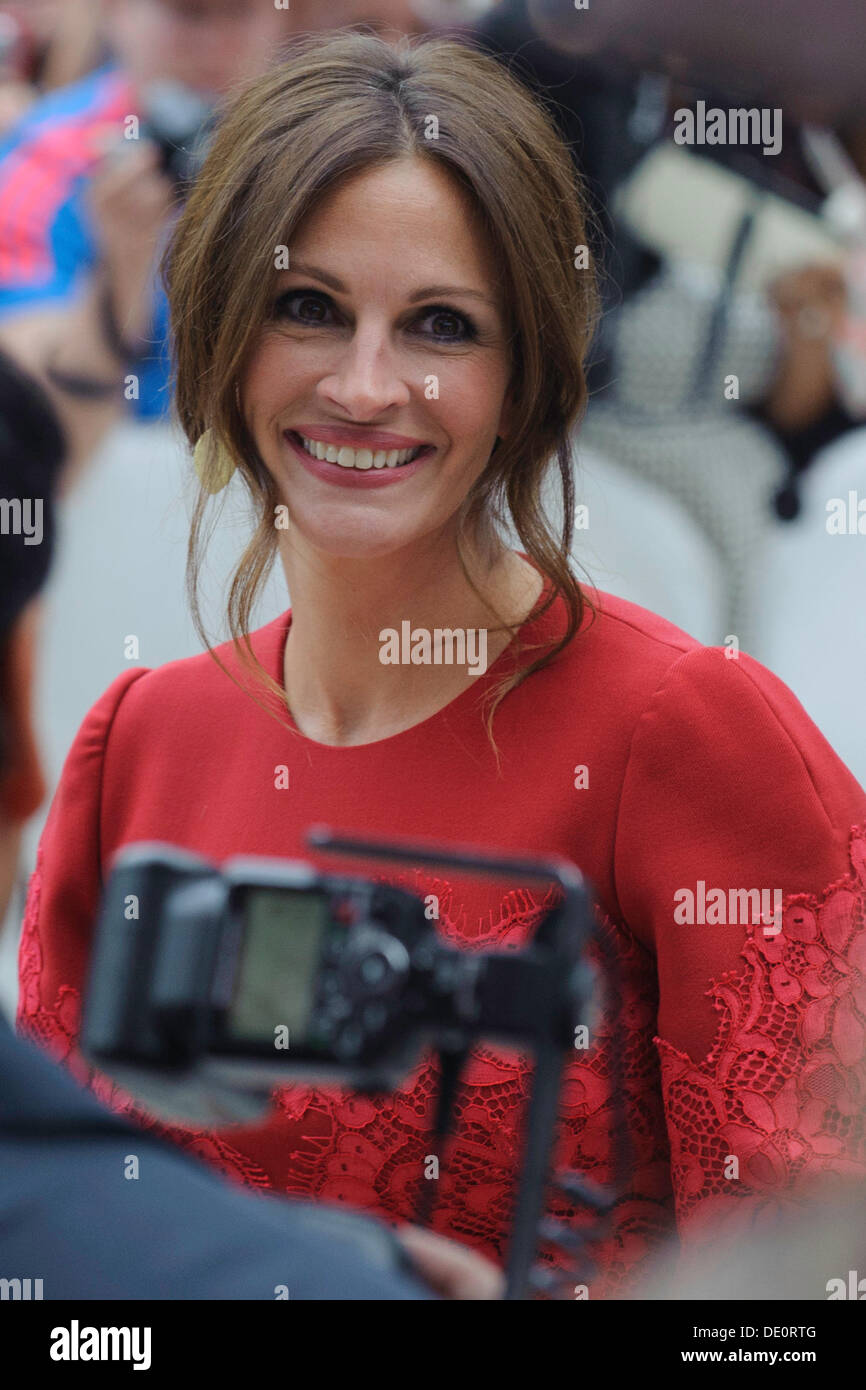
x: 84, y: 210
x: 811, y: 402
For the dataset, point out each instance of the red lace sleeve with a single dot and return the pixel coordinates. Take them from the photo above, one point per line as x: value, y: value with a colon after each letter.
x: 780, y: 1098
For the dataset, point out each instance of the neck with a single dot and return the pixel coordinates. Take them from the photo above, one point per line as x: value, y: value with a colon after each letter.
x: 338, y: 689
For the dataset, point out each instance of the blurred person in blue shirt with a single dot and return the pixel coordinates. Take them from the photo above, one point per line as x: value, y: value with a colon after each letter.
x: 85, y: 210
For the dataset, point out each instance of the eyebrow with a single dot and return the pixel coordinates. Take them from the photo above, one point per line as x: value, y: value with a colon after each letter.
x: 428, y: 292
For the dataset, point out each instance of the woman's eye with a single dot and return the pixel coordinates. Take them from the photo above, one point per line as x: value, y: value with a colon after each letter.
x: 303, y: 306
x: 449, y: 326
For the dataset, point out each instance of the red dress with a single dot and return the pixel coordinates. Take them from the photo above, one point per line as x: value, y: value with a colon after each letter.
x: 700, y: 773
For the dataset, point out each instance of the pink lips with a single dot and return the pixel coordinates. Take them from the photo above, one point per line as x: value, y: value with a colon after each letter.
x: 356, y: 477
x: 358, y: 439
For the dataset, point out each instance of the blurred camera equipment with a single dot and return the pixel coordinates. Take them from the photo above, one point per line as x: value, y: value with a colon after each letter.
x: 180, y: 121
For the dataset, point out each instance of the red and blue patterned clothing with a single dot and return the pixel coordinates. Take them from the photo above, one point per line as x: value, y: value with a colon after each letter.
x: 47, y: 240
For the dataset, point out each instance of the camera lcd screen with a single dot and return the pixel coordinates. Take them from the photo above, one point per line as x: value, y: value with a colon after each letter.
x: 276, y: 984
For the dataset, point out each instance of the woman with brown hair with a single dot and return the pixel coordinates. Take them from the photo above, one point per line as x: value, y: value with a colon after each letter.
x: 381, y: 304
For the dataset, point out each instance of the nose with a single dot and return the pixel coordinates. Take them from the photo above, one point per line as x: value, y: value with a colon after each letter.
x: 369, y: 376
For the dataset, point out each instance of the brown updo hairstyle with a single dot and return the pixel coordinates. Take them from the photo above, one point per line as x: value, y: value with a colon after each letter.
x: 333, y: 106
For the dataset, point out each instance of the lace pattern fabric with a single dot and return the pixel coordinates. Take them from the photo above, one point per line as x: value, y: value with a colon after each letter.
x: 783, y: 1089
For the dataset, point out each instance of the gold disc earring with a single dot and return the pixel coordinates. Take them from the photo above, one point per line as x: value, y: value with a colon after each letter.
x: 213, y: 463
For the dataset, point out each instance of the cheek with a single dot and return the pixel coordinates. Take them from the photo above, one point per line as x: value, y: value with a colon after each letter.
x: 470, y: 397
x: 272, y: 377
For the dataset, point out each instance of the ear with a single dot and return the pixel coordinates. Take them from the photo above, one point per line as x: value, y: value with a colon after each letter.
x: 22, y: 784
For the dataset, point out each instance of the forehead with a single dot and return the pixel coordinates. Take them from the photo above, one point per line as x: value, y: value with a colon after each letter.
x: 413, y: 208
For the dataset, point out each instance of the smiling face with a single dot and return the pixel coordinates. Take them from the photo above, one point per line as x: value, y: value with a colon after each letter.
x: 388, y: 334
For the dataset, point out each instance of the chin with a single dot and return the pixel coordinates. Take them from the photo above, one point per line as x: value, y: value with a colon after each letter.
x: 354, y: 542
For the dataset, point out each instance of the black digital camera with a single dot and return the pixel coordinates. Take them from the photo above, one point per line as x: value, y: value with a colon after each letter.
x: 233, y: 981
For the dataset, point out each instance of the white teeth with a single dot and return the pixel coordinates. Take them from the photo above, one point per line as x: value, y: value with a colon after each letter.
x: 358, y: 458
